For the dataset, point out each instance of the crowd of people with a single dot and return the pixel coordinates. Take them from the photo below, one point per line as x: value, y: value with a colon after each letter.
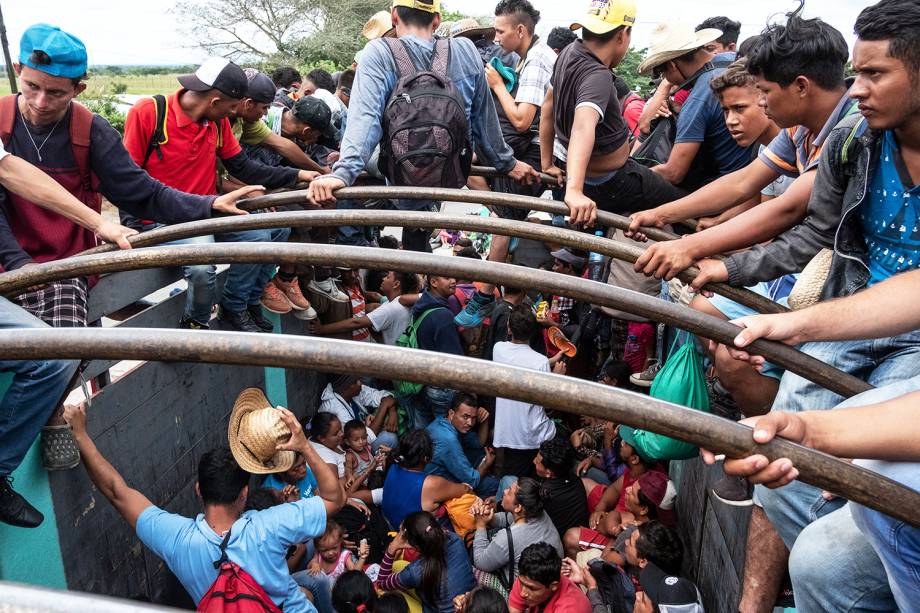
x: 398, y: 496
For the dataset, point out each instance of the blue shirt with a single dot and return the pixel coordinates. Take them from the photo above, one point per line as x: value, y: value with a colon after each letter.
x: 375, y: 81
x: 455, y: 454
x: 701, y: 120
x: 890, y: 216
x: 457, y: 578
x: 258, y: 543
x: 307, y: 485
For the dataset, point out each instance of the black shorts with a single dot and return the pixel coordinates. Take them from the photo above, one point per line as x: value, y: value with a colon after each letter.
x: 507, y: 185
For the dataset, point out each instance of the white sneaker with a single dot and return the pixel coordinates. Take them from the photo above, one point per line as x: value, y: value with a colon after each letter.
x: 329, y: 289
x: 647, y: 376
x: 305, y: 315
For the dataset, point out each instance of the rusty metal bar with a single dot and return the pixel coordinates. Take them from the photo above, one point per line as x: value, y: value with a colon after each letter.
x: 601, y: 294
x: 569, y: 394
x: 528, y: 203
x: 417, y: 219
x: 490, y: 172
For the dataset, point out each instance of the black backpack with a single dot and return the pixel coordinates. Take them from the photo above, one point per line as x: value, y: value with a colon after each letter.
x: 425, y: 128
x: 614, y: 586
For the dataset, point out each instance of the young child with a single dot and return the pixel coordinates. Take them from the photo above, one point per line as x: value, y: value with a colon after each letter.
x: 361, y: 465
x: 332, y: 558
x: 298, y: 478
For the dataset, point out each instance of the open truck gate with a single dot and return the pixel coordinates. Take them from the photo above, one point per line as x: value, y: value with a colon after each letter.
x: 155, y: 421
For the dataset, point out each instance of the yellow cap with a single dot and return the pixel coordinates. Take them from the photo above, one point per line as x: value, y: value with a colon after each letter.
x: 606, y: 15
x: 429, y: 6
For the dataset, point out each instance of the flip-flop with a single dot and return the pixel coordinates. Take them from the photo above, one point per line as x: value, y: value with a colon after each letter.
x: 59, y: 449
x: 560, y: 342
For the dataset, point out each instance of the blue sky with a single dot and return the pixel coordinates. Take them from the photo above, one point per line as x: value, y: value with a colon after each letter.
x: 145, y: 32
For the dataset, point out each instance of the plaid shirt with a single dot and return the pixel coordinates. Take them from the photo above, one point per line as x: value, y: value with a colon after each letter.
x: 61, y: 304
x: 534, y: 74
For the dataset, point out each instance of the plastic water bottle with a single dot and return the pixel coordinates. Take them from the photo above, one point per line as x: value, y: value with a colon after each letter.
x: 597, y: 263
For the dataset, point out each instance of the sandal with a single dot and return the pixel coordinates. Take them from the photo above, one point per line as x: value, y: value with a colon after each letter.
x: 59, y: 449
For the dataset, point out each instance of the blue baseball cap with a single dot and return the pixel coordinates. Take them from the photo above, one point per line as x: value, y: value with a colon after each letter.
x: 66, y: 52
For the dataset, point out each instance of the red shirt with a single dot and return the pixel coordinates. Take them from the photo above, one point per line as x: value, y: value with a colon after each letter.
x: 568, y: 599
x: 190, y: 152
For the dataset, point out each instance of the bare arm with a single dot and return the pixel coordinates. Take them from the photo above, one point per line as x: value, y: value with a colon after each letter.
x: 438, y: 490
x: 581, y: 144
x: 520, y: 115
x: 345, y: 325
x: 129, y: 502
x: 678, y: 164
x: 328, y: 486
x: 293, y: 154
x: 547, y: 132
x: 24, y: 179
x: 713, y: 198
x: 653, y: 106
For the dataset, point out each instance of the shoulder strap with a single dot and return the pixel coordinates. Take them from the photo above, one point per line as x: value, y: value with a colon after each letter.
x: 510, y: 555
x: 223, y: 551
x: 7, y: 117
x: 404, y: 65
x: 418, y: 322
x: 159, y: 136
x: 81, y: 125
x: 440, y: 57
x: 851, y: 137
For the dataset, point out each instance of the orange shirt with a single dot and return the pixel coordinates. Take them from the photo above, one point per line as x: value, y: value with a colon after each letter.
x: 190, y: 152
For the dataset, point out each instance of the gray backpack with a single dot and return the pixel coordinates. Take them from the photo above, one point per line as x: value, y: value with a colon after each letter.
x: 425, y: 128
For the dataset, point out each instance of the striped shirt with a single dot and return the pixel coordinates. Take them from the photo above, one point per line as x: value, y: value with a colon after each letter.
x: 794, y: 152
x: 358, y: 309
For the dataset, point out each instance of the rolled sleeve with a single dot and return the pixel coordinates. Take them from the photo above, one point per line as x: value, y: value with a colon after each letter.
x: 780, y: 154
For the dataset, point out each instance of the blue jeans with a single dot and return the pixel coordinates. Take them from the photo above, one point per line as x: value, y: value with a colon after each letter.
x: 243, y: 280
x: 267, y: 271
x: 33, y: 395
x: 320, y: 586
x: 202, y: 283
x: 881, y: 362
x: 386, y: 439
x: 835, y: 561
x: 353, y: 236
x: 429, y: 403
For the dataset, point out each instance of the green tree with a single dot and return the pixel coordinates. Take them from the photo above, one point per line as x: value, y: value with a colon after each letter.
x: 629, y: 71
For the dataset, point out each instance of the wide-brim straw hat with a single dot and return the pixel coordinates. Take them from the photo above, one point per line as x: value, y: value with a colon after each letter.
x: 470, y: 28
x: 810, y: 284
x: 379, y: 26
x: 255, y: 430
x: 672, y: 39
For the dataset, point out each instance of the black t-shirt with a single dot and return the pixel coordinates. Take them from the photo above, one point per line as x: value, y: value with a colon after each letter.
x: 581, y: 79
x: 566, y: 503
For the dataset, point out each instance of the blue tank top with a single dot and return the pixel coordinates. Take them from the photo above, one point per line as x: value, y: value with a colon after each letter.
x: 402, y: 494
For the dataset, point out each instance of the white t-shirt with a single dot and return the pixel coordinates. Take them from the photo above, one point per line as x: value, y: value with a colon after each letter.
x: 391, y: 320
x: 3, y: 151
x: 330, y: 457
x: 519, y: 425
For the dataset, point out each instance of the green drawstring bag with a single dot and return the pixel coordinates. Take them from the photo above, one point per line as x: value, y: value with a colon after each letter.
x: 682, y: 380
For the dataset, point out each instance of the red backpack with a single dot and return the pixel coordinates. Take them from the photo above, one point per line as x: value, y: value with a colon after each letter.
x: 234, y: 590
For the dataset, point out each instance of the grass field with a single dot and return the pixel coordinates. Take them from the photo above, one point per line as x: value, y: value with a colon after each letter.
x: 137, y: 84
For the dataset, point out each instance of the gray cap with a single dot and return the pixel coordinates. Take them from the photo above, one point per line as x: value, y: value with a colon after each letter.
x: 261, y: 88
x: 564, y: 255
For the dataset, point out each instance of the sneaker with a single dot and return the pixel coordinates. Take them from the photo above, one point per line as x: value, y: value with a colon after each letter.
x: 193, y: 324
x: 241, y: 321
x: 16, y: 510
x: 255, y: 312
x: 328, y: 289
x: 274, y: 300
x: 721, y: 402
x: 307, y: 315
x: 291, y: 291
x: 734, y: 491
x: 647, y: 376
x: 477, y: 309
x: 58, y: 448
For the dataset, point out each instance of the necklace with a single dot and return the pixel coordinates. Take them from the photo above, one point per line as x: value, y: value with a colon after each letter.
x: 38, y: 148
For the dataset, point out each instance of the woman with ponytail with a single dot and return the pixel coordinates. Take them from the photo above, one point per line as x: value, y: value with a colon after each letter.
x: 522, y: 518
x: 408, y: 488
x: 442, y: 571
x: 353, y: 592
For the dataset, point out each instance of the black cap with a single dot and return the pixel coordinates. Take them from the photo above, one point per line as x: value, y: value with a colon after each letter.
x: 261, y: 88
x: 220, y: 74
x: 316, y: 114
x: 669, y: 590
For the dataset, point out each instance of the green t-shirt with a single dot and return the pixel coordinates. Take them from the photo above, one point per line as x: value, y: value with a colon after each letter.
x: 250, y: 133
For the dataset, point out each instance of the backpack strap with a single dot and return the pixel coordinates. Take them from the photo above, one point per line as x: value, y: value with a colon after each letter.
x: 7, y: 117
x: 81, y: 125
x: 405, y: 67
x: 159, y: 136
x: 510, y: 557
x: 440, y: 57
x: 223, y: 551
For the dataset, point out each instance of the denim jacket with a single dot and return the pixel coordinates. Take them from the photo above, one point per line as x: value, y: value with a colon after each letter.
x: 844, y: 173
x: 455, y: 455
x: 375, y: 81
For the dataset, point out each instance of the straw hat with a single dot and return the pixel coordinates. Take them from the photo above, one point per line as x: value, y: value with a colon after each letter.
x: 470, y: 28
x: 256, y: 429
x: 379, y: 26
x: 672, y: 39
x: 808, y: 288
x: 443, y: 30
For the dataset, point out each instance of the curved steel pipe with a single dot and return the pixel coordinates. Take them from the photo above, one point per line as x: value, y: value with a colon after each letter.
x: 418, y: 219
x: 528, y: 203
x: 568, y: 394
x: 391, y: 259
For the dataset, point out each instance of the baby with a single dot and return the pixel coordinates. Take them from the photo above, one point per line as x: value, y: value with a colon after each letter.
x: 362, y: 467
x: 332, y: 558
